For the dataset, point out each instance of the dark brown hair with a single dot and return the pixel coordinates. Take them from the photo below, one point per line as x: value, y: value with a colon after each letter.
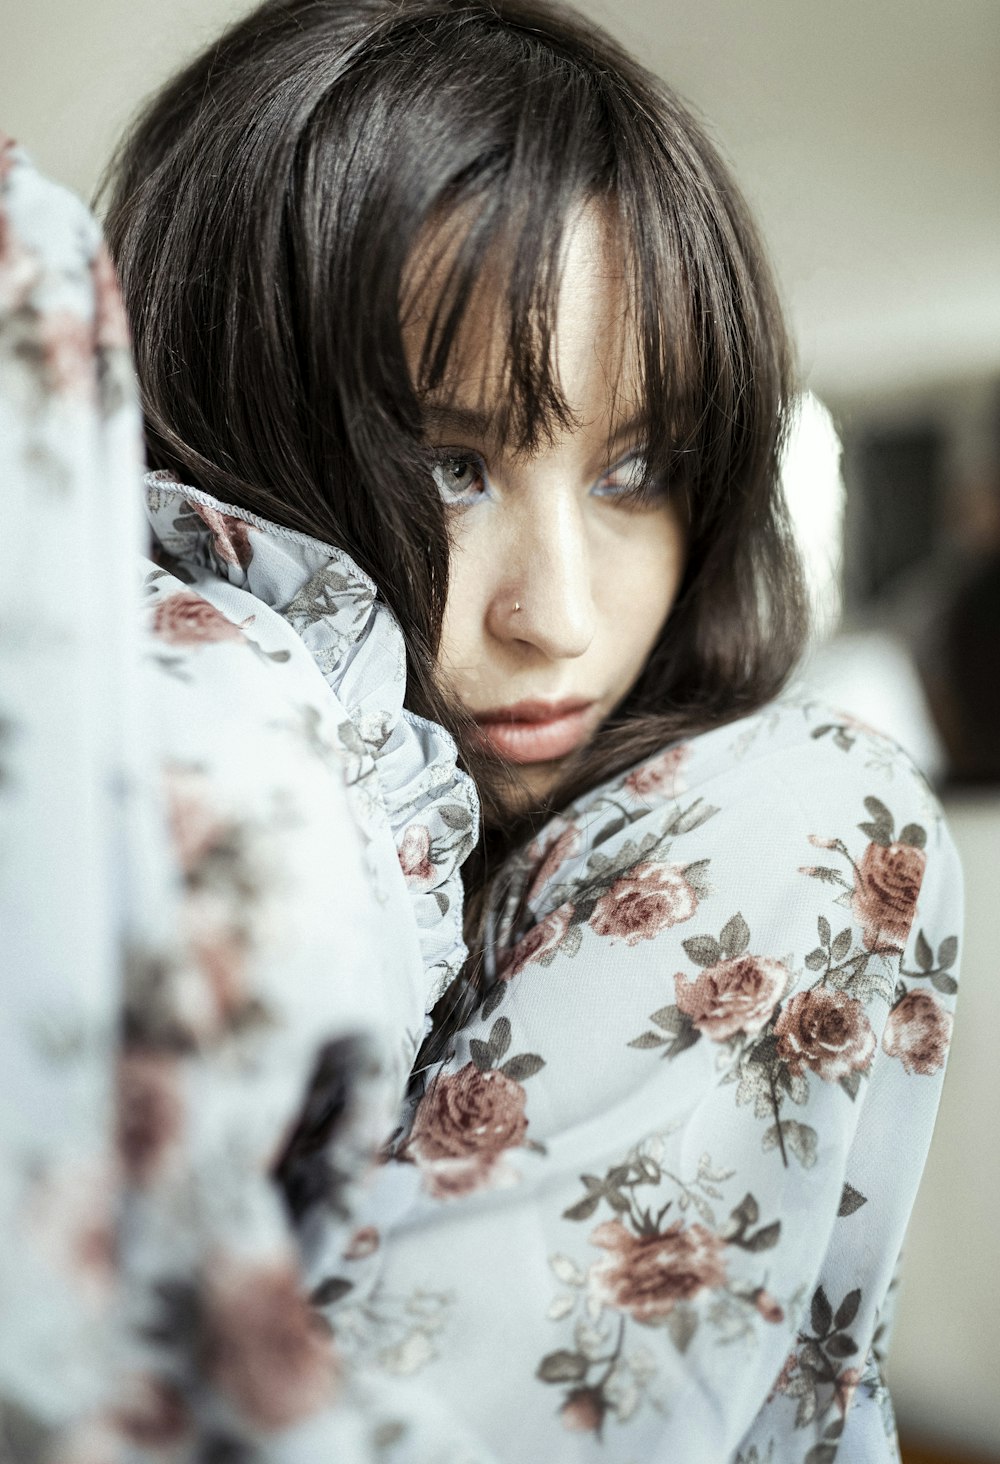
x: 262, y: 215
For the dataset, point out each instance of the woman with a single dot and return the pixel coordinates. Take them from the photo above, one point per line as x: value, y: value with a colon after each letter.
x: 462, y: 292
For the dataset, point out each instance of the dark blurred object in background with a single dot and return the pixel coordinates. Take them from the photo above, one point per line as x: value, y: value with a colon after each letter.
x: 922, y: 560
x: 895, y: 501
x: 960, y: 668
x: 919, y: 655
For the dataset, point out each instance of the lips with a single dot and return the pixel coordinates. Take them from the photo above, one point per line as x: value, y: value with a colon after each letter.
x: 536, y: 731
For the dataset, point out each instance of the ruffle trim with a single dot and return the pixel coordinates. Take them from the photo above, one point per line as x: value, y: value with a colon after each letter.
x: 431, y: 806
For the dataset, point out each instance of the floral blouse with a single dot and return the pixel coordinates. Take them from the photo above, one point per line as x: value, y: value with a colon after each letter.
x: 651, y: 1205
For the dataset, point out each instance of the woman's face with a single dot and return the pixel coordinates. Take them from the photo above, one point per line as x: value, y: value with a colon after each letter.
x: 560, y: 579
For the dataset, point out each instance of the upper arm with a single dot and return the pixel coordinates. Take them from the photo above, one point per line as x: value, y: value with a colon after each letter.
x: 718, y: 1026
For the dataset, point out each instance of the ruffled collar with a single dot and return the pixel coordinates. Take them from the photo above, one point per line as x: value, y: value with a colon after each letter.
x: 432, y: 808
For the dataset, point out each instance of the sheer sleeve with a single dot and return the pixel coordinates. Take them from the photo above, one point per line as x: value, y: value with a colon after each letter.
x: 209, y: 999
x: 69, y: 532
x: 660, y: 1187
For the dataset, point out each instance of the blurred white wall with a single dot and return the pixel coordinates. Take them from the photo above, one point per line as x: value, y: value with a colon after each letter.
x: 867, y: 136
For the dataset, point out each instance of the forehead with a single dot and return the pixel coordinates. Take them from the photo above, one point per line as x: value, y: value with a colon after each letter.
x: 579, y: 319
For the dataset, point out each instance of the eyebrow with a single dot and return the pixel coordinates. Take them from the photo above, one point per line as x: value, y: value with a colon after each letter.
x: 446, y: 417
x: 631, y: 427
x: 441, y: 416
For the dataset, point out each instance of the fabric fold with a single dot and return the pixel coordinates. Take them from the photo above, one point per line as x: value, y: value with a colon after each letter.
x: 403, y: 768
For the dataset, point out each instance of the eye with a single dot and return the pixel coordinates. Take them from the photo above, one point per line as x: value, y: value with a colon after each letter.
x: 630, y: 481
x: 460, y: 477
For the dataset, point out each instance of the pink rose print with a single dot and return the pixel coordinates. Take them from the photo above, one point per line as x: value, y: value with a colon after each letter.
x: 415, y: 857
x: 264, y: 1348
x: 770, y: 1309
x: 826, y: 1031
x: 660, y: 777
x: 195, y: 828
x: 19, y: 269
x: 230, y: 535
x: 784, y: 1379
x: 557, y: 853
x: 845, y: 1387
x: 185, y: 619
x: 363, y: 1243
x: 220, y: 951
x: 886, y: 886
x: 732, y: 996
x: 918, y: 1032
x: 583, y: 1411
x: 646, y: 900
x: 68, y: 352
x: 648, y: 1275
x: 150, y: 1111
x: 71, y: 1222
x: 153, y: 1413
x: 463, y: 1126
x: 856, y: 724
x: 110, y: 325
x: 541, y: 940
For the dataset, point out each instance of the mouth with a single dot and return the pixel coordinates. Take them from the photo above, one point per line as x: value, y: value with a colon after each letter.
x: 536, y: 731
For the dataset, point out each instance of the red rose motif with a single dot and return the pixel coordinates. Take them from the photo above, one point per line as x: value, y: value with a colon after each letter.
x: 195, y: 828
x: 643, y: 902
x: 648, y: 1275
x: 886, y: 885
x: 220, y: 951
x: 110, y: 325
x: 71, y: 1219
x: 415, y: 857
x: 737, y: 995
x: 264, y: 1349
x: 540, y: 940
x: 827, y: 1031
x: 769, y: 1307
x: 230, y: 535
x: 660, y: 777
x: 186, y: 619
x: 583, y: 1411
x: 363, y: 1243
x: 149, y: 1111
x: 784, y: 1379
x: 463, y: 1125
x: 844, y: 1387
x: 850, y: 720
x: 556, y: 854
x: 153, y: 1414
x: 67, y: 344
x: 20, y: 268
x: 918, y: 1032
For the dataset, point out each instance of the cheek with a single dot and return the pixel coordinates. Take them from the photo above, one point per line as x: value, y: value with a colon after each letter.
x: 461, y: 631
x: 638, y: 590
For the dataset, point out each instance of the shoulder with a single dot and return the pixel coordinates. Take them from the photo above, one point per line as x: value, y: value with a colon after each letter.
x: 792, y: 748
x: 796, y: 773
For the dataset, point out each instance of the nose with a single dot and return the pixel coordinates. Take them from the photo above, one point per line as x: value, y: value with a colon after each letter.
x: 545, y: 572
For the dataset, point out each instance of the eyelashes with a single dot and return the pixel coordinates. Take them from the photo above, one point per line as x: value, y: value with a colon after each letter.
x: 462, y: 480
x: 631, y: 481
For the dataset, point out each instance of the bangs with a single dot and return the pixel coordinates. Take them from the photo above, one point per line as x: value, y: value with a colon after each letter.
x: 480, y: 289
x: 542, y: 135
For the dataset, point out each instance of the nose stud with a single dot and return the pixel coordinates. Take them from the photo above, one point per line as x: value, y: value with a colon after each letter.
x: 517, y: 606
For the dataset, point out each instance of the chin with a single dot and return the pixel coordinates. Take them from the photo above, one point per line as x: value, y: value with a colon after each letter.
x: 532, y: 784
